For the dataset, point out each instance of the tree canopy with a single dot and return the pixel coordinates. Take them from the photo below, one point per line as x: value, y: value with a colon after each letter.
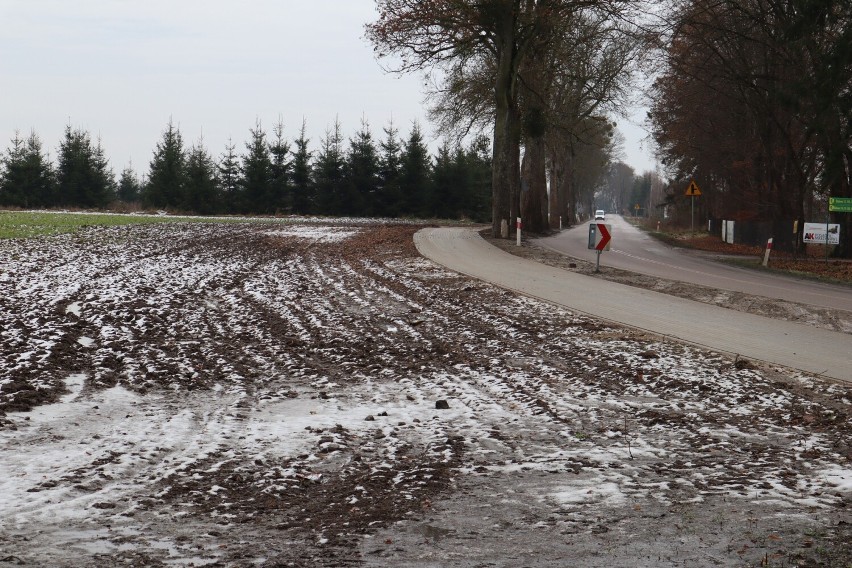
x: 489, y: 42
x: 754, y: 101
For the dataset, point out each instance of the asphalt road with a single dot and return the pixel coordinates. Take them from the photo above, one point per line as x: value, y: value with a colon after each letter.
x: 635, y: 251
x: 788, y: 344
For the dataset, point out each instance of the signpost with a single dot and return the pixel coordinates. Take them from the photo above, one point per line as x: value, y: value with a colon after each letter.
x: 600, y: 237
x: 692, y: 192
x: 840, y: 204
x: 832, y: 232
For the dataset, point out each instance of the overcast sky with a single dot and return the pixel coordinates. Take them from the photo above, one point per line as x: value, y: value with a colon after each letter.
x: 121, y: 69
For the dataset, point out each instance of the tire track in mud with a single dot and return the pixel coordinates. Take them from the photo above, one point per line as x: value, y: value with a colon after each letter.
x: 520, y: 393
x: 758, y: 478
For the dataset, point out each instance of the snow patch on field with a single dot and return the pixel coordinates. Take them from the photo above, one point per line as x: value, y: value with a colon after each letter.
x: 593, y: 491
x: 837, y: 477
x: 318, y: 234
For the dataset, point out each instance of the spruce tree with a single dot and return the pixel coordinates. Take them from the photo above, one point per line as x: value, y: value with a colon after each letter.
x: 389, y: 192
x: 129, y: 189
x: 461, y: 182
x: 26, y: 177
x: 302, y: 184
x: 83, y: 177
x: 479, y: 176
x: 362, y: 174
x: 464, y: 177
x: 229, y: 179
x: 12, y: 181
x: 104, y: 178
x: 329, y: 173
x: 167, y: 175
x: 256, y: 174
x: 415, y: 175
x: 202, y: 188
x: 280, y: 189
x: 445, y: 186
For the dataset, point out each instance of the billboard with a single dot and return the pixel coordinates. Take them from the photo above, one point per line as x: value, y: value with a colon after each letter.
x: 814, y: 233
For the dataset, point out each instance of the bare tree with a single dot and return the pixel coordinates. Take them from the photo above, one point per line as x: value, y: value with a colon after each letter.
x: 491, y: 36
x: 754, y: 100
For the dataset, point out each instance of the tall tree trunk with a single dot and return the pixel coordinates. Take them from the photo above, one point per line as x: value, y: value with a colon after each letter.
x: 505, y: 170
x: 514, y: 159
x: 844, y: 189
x: 500, y: 174
x: 535, y: 202
x: 568, y: 190
x: 555, y: 211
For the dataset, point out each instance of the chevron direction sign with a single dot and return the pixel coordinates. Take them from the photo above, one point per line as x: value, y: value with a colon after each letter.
x: 600, y: 235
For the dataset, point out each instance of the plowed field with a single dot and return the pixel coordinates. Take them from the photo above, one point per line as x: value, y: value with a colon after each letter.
x: 198, y: 394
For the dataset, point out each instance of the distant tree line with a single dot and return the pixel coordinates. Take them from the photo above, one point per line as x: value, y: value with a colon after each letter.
x: 391, y: 177
x: 626, y: 193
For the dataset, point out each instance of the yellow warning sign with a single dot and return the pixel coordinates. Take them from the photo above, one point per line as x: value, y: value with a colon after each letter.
x: 692, y: 190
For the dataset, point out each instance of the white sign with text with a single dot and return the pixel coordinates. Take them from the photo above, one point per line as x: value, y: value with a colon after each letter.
x: 815, y: 233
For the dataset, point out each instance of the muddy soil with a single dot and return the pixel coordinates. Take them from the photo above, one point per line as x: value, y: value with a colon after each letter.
x: 253, y: 395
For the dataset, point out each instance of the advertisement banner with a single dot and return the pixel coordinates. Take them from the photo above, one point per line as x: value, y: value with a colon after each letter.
x: 814, y: 233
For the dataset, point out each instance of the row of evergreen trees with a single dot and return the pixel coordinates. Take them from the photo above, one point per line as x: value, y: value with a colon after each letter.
x: 389, y: 178
x: 80, y: 178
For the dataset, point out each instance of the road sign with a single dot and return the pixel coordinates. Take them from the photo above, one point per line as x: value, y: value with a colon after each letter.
x: 840, y: 204
x: 692, y: 190
x: 600, y: 235
x: 604, y: 237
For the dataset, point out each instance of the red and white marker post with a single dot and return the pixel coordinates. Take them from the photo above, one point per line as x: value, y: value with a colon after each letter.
x: 766, y: 255
x: 519, y: 231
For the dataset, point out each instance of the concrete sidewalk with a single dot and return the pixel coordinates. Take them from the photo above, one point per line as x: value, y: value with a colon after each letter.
x: 789, y: 344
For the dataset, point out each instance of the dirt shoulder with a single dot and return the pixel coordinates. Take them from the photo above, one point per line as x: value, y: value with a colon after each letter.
x: 835, y: 320
x: 809, y: 263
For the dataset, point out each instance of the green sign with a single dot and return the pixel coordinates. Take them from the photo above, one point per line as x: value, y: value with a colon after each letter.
x: 840, y: 204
